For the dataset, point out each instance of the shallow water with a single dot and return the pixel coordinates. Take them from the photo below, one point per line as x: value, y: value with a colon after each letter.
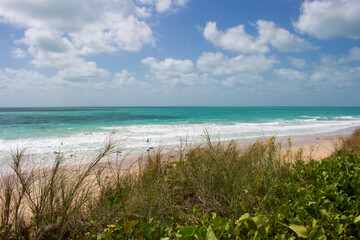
x: 82, y: 131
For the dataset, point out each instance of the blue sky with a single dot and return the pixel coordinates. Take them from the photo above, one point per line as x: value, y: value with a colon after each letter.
x: 179, y: 52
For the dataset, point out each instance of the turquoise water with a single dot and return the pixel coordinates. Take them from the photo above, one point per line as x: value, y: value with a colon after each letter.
x: 39, y: 122
x: 45, y: 130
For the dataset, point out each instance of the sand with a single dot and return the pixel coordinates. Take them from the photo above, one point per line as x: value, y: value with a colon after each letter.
x: 317, y: 147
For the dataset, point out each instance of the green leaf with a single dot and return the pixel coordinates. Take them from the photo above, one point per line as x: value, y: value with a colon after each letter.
x: 299, y: 230
x: 242, y: 218
x: 195, y: 210
x: 357, y: 219
x: 187, y: 231
x: 339, y: 228
x: 211, y: 235
x: 217, y: 222
x: 111, y: 200
x: 129, y: 225
x: 318, y: 234
x: 201, y: 233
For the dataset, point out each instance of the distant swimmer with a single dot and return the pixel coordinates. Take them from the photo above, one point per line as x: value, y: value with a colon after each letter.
x: 147, y: 140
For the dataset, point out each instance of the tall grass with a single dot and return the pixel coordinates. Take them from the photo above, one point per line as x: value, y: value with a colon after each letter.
x: 216, y: 177
x: 58, y: 203
x: 352, y: 143
x: 46, y: 203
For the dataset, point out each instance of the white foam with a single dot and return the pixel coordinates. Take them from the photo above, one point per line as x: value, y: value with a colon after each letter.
x: 135, y: 137
x: 346, y: 117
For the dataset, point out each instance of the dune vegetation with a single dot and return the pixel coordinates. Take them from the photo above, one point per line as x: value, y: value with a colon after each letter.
x: 212, y: 191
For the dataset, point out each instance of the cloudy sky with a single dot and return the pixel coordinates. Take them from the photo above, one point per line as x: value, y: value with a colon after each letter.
x: 179, y: 52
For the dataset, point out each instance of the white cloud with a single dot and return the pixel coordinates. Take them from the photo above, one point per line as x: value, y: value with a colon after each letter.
x: 32, y: 81
x: 330, y: 18
x: 245, y: 79
x: 237, y: 39
x: 329, y: 74
x: 65, y: 15
x: 354, y: 55
x: 83, y: 72
x: 23, y: 80
x: 290, y: 74
x: 218, y: 64
x: 297, y: 62
x: 58, y: 34
x: 190, y: 80
x: 49, y: 48
x: 181, y: 2
x: 176, y: 72
x: 127, y: 79
x: 94, y: 27
x: 168, y: 66
x: 18, y: 53
x: 45, y: 40
x: 280, y: 38
x: 171, y: 71
x: 162, y: 6
x: 113, y: 33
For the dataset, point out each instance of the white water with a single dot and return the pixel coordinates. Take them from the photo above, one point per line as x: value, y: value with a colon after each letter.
x: 135, y: 137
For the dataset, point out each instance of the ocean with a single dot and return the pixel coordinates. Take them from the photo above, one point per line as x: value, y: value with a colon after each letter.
x: 81, y: 131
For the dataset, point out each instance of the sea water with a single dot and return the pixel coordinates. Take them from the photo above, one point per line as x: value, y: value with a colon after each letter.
x: 81, y: 131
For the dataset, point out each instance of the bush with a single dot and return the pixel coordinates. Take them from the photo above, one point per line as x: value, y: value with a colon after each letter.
x: 216, y: 191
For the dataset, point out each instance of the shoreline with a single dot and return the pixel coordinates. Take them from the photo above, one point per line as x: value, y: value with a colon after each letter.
x: 317, y: 145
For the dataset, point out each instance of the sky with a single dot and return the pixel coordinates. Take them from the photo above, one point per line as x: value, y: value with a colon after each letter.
x: 179, y: 53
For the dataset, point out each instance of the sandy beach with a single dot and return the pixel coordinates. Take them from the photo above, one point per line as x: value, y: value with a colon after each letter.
x: 314, y: 146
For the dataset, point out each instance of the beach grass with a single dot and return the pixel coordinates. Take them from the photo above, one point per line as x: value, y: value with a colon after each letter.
x: 212, y: 191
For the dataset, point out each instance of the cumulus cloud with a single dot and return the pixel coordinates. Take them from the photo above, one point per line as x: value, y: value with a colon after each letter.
x: 18, y: 53
x: 297, y: 62
x: 171, y: 71
x: 91, y: 26
x: 323, y: 79
x: 243, y: 79
x: 23, y: 80
x: 329, y: 73
x: 127, y: 79
x: 280, y: 38
x: 64, y: 16
x: 113, y: 33
x: 49, y: 48
x: 29, y: 80
x: 176, y: 72
x: 290, y: 74
x: 237, y: 39
x: 234, y: 38
x: 218, y: 64
x: 330, y: 18
x: 162, y: 6
x: 59, y: 34
x: 85, y: 71
x: 169, y: 65
x: 354, y: 55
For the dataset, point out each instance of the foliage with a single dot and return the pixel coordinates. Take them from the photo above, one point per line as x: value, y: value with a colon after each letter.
x: 212, y: 191
x: 320, y: 200
x: 351, y: 143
